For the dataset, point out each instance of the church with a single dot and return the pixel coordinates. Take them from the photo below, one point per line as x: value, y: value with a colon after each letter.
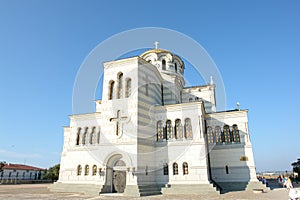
x: 152, y: 135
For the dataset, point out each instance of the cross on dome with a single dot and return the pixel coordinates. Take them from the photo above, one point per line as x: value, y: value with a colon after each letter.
x: 156, y: 44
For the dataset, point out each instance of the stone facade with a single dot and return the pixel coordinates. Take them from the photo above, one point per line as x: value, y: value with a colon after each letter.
x: 152, y: 135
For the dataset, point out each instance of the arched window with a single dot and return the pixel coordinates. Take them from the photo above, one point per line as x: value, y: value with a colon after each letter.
x: 236, y: 133
x: 218, y: 134
x: 227, y: 169
x: 175, y: 168
x: 78, y: 136
x: 111, y: 90
x: 188, y: 128
x: 163, y: 62
x: 98, y: 137
x: 175, y: 65
x: 128, y: 88
x: 160, y: 131
x: 226, y: 131
x: 79, y: 170
x: 86, y: 170
x: 94, y: 170
x: 178, y: 129
x: 166, y: 169
x: 120, y: 85
x: 210, y: 135
x: 169, y: 129
x: 85, y: 136
x: 185, y: 168
x: 92, y: 136
x: 190, y: 99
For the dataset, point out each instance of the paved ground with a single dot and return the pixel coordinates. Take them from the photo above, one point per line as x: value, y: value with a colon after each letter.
x: 40, y: 191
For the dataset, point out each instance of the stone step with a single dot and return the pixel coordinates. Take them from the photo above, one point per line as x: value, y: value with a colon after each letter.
x: 150, y: 193
x: 148, y: 190
x: 76, y: 188
x: 190, y: 189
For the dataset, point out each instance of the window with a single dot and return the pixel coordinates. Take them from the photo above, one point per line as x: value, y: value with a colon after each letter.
x: 175, y: 65
x: 178, y: 129
x: 94, y: 170
x: 120, y: 85
x: 78, y: 136
x: 185, y: 168
x: 92, y: 136
x: 188, y: 128
x: 86, y: 170
x: 226, y: 131
x: 210, y: 135
x: 17, y: 174
x: 79, y: 170
x: 23, y: 175
x: 84, y: 136
x: 160, y: 131
x: 9, y: 175
x: 163, y: 62
x: 218, y: 134
x: 166, y: 169
x: 162, y: 93
x: 236, y: 134
x: 146, y: 85
x: 111, y: 90
x: 98, y: 137
x: 227, y: 169
x: 190, y: 99
x: 175, y: 169
x: 128, y: 88
x: 169, y: 129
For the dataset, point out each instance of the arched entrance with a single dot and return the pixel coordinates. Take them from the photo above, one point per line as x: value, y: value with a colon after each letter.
x: 115, y: 174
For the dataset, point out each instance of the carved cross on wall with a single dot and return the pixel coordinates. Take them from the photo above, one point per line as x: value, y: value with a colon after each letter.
x: 118, y: 121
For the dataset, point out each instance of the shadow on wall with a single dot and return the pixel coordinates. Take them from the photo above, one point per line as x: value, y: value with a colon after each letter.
x: 151, y: 173
x: 227, y: 157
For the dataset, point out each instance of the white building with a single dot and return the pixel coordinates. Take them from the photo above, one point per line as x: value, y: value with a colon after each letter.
x: 150, y: 134
x: 11, y: 172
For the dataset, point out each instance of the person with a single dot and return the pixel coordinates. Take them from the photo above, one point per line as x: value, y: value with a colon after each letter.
x: 259, y: 178
x: 294, y: 194
x: 279, y: 180
x: 264, y: 181
x: 288, y: 183
x: 284, y: 182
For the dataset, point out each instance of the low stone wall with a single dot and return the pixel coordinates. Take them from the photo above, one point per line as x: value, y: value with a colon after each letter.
x: 18, y: 181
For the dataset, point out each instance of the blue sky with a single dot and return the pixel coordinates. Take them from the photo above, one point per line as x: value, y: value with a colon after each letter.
x: 255, y: 45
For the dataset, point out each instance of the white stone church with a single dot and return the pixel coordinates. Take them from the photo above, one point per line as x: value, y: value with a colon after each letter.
x: 152, y: 135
